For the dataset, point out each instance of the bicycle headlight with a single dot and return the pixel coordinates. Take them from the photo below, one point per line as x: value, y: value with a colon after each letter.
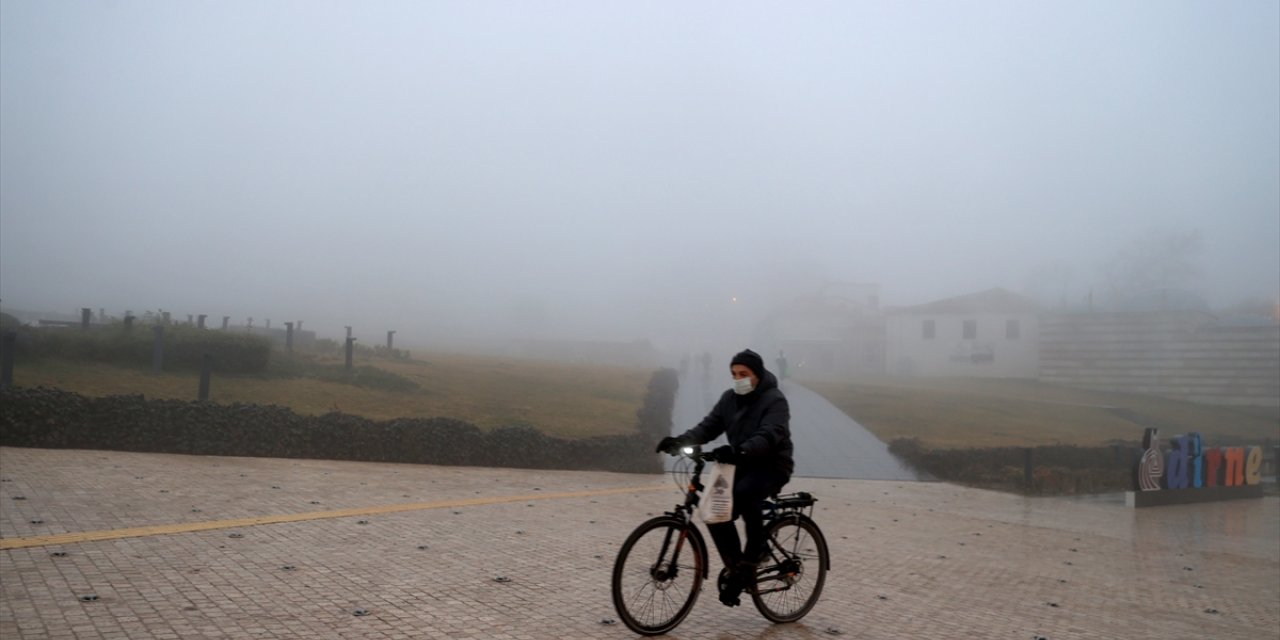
x: 688, y: 451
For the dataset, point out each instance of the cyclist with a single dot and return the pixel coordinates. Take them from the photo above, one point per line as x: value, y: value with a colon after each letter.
x: 755, y: 418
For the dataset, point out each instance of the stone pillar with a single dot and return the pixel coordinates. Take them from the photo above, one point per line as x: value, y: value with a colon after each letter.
x: 225, y: 320
x: 128, y: 321
x: 350, y: 347
x: 85, y: 316
x: 389, y: 334
x: 200, y: 321
x: 288, y: 337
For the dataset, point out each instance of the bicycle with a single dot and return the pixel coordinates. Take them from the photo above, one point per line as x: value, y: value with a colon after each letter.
x: 661, y: 566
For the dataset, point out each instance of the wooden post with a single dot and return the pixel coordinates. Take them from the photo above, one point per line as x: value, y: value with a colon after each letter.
x: 350, y: 345
x: 1027, y: 469
x: 157, y: 349
x: 8, y: 344
x: 206, y: 372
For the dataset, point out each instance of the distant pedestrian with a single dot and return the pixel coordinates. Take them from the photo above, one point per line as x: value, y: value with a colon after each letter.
x: 782, y: 365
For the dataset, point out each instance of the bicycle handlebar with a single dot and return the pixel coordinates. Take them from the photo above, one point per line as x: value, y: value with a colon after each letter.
x: 694, y: 452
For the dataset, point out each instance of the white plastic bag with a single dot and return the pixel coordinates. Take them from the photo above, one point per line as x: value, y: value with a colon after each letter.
x: 717, y: 502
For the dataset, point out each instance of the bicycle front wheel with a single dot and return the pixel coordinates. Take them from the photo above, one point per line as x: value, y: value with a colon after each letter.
x: 789, y: 583
x: 657, y: 575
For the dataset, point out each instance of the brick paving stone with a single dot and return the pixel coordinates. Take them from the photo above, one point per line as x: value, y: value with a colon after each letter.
x: 909, y: 559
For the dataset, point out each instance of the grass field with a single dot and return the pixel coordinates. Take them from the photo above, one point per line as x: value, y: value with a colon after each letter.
x: 570, y: 400
x: 559, y: 399
x: 972, y: 412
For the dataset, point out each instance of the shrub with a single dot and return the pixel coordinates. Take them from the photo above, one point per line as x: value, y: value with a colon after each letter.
x: 659, y: 401
x: 1056, y: 469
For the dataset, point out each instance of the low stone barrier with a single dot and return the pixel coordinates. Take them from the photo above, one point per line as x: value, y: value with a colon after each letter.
x: 57, y: 419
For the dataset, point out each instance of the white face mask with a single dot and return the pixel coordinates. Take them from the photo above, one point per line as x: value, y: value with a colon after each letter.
x: 742, y: 386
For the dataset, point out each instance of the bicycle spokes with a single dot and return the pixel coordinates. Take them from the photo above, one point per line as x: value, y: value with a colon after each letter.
x: 657, y: 576
x: 787, y: 589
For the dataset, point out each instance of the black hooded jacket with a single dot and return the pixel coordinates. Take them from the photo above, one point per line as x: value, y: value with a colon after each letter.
x: 757, y: 424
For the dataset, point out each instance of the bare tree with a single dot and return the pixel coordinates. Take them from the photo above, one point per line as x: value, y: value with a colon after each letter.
x: 1159, y: 259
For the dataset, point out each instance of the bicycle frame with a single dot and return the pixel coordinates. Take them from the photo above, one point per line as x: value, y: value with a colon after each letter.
x: 684, y: 512
x: 643, y: 600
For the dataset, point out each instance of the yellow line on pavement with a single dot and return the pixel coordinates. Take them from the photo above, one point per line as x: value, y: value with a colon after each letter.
x: 189, y: 527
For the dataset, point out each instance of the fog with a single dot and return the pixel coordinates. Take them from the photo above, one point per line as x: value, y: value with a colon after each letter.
x: 464, y: 171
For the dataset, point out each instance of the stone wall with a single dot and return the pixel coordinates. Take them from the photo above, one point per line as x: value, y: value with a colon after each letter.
x: 1188, y: 355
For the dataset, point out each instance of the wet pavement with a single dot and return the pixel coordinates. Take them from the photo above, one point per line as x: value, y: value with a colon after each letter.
x: 207, y: 547
x: 829, y: 444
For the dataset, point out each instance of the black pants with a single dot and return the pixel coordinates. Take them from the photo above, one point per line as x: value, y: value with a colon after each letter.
x: 751, y: 487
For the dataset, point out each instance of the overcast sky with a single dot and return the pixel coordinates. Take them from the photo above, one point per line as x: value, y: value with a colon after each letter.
x: 621, y: 170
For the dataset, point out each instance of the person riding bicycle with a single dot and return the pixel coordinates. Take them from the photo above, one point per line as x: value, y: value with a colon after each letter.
x: 755, y: 417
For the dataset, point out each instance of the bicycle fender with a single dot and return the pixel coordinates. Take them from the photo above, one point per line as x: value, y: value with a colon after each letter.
x: 694, y: 532
x: 821, y: 536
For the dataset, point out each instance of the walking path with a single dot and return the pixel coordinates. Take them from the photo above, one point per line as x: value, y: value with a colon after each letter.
x: 180, y: 547
x: 829, y: 444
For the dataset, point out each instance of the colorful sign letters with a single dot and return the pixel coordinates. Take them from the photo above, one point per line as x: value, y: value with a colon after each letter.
x: 1188, y: 465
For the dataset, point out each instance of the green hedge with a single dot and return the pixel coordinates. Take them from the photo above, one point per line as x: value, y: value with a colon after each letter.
x: 1056, y: 469
x: 659, y: 401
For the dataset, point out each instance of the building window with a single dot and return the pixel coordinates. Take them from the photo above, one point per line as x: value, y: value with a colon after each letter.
x: 970, y: 329
x: 1012, y: 329
x: 927, y: 330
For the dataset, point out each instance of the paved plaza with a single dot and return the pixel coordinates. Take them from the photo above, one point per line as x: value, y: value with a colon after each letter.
x: 207, y: 547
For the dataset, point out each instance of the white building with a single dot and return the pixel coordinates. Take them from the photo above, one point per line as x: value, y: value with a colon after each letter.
x: 992, y: 334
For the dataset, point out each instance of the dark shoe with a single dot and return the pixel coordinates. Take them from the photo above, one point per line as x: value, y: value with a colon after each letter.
x: 730, y: 588
x: 745, y: 573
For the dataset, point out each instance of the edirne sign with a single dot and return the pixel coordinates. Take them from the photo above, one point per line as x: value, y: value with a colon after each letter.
x: 1191, y: 473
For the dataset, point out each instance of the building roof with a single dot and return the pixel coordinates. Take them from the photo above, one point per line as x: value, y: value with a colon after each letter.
x: 990, y: 301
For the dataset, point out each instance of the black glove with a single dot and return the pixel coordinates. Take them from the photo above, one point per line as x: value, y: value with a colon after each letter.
x: 725, y: 453
x: 668, y: 445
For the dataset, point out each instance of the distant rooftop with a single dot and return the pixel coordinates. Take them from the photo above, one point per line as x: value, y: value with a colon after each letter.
x: 992, y: 300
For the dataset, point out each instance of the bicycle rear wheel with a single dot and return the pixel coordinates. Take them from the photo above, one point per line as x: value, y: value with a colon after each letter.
x: 789, y: 583
x: 657, y: 575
